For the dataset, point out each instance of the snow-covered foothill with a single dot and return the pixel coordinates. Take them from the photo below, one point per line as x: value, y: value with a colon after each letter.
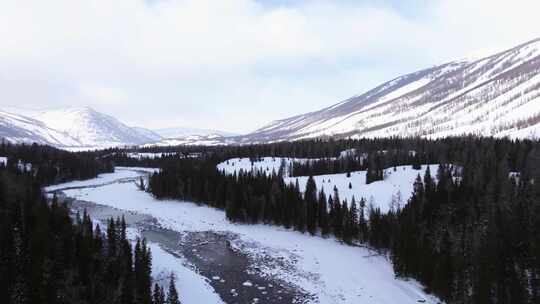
x: 141, y: 155
x: 149, y: 155
x: 396, y: 187
x: 266, y: 165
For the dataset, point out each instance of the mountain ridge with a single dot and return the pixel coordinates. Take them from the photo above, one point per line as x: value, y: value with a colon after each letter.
x: 181, y: 132
x: 76, y: 128
x: 446, y: 92
x: 497, y: 95
x: 72, y: 127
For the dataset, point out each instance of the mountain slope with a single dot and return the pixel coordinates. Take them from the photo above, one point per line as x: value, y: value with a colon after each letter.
x: 182, y: 132
x: 93, y: 129
x: 494, y: 96
x: 70, y: 128
x: 149, y: 135
x: 83, y: 128
x: 22, y: 129
x: 193, y: 140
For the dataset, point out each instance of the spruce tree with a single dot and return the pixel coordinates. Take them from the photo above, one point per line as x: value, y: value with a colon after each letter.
x: 19, y: 292
x: 323, y: 214
x: 353, y: 219
x: 310, y: 198
x: 157, y: 295
x: 172, y: 296
x: 362, y: 224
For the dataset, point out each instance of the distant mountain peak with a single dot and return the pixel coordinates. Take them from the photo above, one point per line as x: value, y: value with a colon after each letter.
x: 497, y: 95
x: 182, y: 132
x: 72, y: 127
x: 83, y: 127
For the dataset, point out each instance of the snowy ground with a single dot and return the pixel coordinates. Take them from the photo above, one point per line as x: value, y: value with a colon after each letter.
x: 121, y: 173
x: 397, y: 185
x: 334, y: 272
x: 267, y: 165
x: 143, y: 155
x: 193, y: 287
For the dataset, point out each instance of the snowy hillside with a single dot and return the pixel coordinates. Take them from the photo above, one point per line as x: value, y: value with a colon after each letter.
x: 82, y: 128
x: 92, y: 128
x: 266, y: 165
x: 397, y: 185
x: 23, y: 129
x: 148, y: 134
x: 396, y: 188
x: 191, y: 140
x: 192, y: 136
x: 70, y: 128
x: 494, y: 96
x: 182, y: 132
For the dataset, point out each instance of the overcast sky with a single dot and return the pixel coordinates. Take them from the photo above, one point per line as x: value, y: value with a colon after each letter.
x: 235, y: 65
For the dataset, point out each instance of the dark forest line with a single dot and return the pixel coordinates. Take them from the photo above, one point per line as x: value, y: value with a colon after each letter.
x: 48, y: 255
x: 470, y: 238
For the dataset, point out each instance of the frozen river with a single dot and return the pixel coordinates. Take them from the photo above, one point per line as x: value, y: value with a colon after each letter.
x: 221, y: 262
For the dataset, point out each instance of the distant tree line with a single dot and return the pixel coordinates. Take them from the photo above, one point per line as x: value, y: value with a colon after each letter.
x: 49, y: 165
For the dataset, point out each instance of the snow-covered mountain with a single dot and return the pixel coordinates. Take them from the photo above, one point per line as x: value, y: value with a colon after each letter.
x: 22, y: 129
x: 92, y: 128
x: 83, y: 128
x: 71, y: 128
x: 494, y: 96
x: 194, y: 140
x: 151, y: 135
x: 182, y: 132
x: 192, y: 136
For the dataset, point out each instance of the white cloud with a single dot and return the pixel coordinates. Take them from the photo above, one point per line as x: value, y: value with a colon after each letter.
x: 233, y: 64
x: 103, y: 95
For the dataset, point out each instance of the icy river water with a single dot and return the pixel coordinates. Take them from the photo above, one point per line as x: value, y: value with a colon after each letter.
x: 220, y: 262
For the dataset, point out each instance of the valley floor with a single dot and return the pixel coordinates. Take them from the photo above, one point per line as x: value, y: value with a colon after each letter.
x: 309, y: 269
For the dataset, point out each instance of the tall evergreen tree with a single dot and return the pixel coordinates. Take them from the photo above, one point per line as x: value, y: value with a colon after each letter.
x: 158, y: 296
x: 172, y: 295
x: 323, y: 214
x: 310, y: 198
